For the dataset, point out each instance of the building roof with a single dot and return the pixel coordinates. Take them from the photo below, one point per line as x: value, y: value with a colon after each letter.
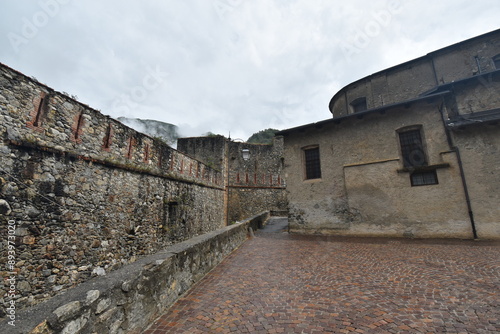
x: 361, y: 114
x: 429, y: 55
x: 478, y: 118
x: 484, y: 78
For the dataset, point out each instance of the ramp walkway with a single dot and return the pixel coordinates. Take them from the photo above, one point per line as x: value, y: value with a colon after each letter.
x: 282, y: 283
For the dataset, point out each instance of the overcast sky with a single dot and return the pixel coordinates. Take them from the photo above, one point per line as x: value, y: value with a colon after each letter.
x: 223, y: 66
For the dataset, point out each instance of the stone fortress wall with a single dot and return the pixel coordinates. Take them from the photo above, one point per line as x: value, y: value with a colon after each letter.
x: 254, y: 182
x: 87, y: 194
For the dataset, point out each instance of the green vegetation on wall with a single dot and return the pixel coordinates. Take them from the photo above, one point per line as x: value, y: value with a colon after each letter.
x: 262, y: 137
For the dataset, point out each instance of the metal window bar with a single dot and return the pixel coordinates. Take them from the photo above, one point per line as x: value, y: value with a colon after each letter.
x: 313, y: 167
x: 412, y: 148
x: 423, y: 178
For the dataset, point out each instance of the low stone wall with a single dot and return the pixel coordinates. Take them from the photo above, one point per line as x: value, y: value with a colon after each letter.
x: 130, y: 298
x: 246, y: 201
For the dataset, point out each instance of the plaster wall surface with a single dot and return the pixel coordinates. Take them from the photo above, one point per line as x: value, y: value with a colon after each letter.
x: 480, y: 153
x: 364, y: 190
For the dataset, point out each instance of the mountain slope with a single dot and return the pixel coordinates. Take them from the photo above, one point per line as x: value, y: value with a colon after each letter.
x: 165, y: 131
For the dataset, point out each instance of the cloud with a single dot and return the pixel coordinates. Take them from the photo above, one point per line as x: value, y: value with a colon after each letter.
x: 228, y: 65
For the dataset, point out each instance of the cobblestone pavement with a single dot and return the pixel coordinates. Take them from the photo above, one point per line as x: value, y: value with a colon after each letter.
x: 281, y: 283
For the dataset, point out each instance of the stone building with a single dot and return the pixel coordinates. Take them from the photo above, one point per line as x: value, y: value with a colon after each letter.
x: 411, y: 151
x: 252, y: 173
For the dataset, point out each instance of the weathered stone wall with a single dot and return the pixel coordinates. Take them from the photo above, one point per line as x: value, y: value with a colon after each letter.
x: 87, y: 194
x: 130, y: 298
x: 244, y: 202
x: 473, y: 96
x: 254, y: 184
x: 468, y: 58
x: 210, y: 150
x: 364, y: 191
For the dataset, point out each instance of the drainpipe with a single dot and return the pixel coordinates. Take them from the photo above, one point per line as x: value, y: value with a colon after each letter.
x: 455, y: 149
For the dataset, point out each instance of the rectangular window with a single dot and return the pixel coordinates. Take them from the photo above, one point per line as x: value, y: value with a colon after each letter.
x: 423, y: 178
x: 359, y: 105
x: 173, y: 212
x: 312, y: 163
x: 412, y: 148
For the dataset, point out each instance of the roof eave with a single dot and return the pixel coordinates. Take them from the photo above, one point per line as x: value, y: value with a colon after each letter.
x: 362, y: 113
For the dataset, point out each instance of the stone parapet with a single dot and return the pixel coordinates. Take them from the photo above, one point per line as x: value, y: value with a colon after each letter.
x: 32, y: 114
x: 130, y: 298
x: 84, y: 195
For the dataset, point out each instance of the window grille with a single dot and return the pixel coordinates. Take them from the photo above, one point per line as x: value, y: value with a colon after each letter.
x: 423, y: 178
x: 312, y: 163
x: 412, y: 148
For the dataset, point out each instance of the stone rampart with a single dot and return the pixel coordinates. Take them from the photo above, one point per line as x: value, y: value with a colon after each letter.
x: 130, y: 298
x: 81, y: 194
x: 253, y: 172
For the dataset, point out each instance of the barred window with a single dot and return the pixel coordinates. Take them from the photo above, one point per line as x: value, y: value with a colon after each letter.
x: 423, y: 178
x: 312, y: 163
x: 412, y: 148
x: 414, y: 157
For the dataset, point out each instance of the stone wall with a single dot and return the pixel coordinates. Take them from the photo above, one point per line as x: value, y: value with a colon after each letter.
x: 477, y: 95
x: 244, y: 202
x: 130, y: 298
x: 254, y: 184
x: 210, y: 150
x: 364, y: 190
x: 87, y: 194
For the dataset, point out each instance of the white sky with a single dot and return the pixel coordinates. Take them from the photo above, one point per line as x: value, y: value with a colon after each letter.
x: 223, y: 66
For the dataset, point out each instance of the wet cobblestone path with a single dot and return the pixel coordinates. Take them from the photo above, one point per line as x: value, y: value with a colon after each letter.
x: 281, y: 283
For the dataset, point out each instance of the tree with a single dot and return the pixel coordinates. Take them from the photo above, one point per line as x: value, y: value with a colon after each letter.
x: 262, y: 137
